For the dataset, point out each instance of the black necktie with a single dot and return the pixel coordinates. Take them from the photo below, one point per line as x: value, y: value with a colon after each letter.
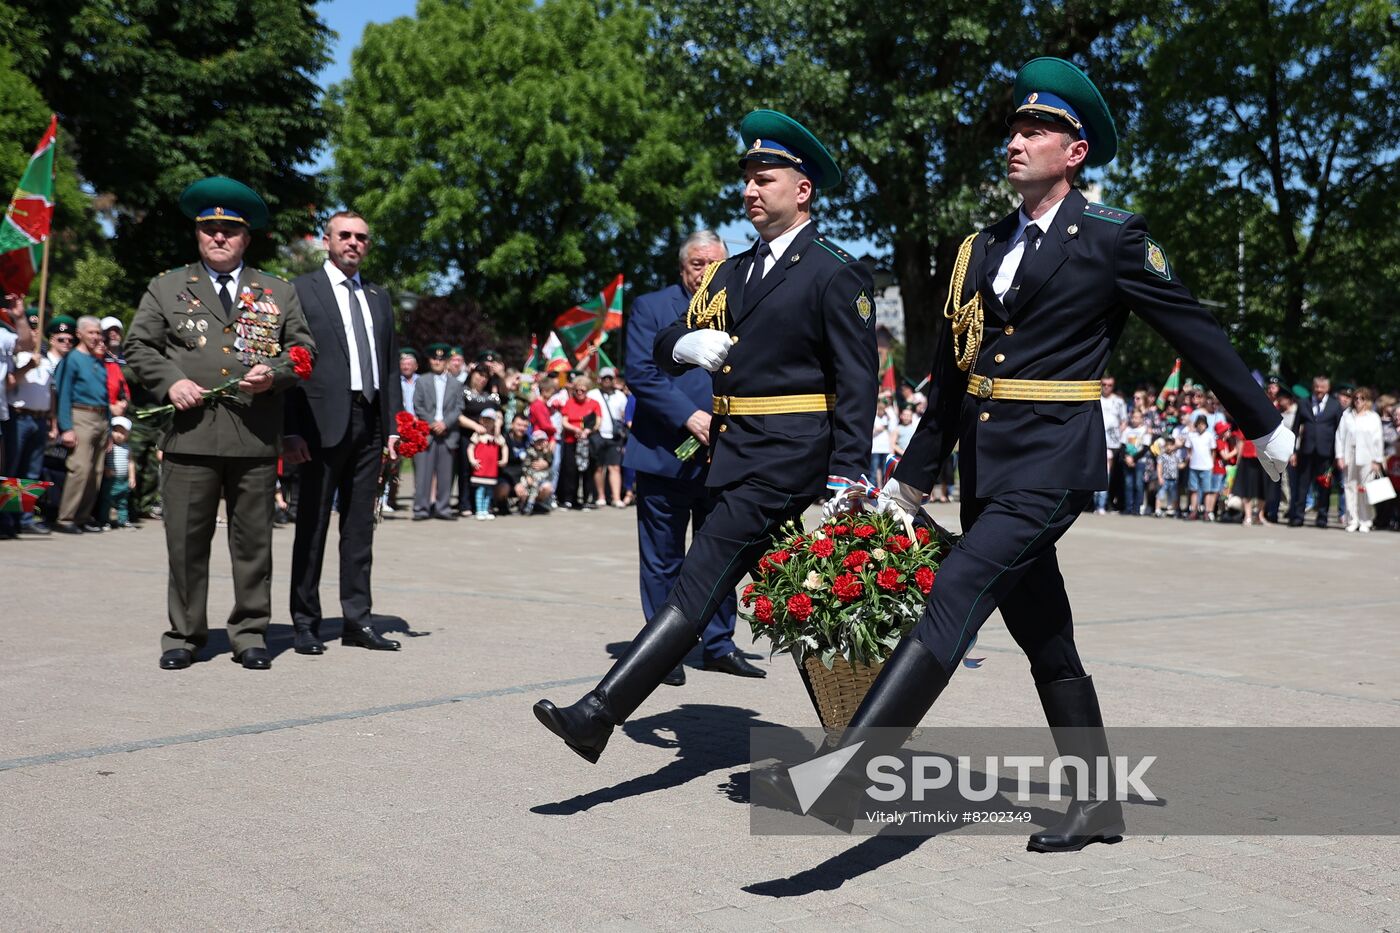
x: 760, y: 259
x: 1032, y: 236
x: 225, y: 291
x: 357, y: 324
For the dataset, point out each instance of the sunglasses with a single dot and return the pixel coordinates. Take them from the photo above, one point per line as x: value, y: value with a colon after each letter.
x: 345, y: 236
x: 63, y: 338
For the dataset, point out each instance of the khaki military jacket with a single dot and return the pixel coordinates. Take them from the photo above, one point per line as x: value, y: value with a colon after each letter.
x: 181, y: 331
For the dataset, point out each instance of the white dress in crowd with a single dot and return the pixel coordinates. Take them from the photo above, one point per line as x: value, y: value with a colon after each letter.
x: 1359, y: 446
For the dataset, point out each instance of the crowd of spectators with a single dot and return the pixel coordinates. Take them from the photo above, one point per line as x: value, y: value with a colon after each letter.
x: 532, y: 443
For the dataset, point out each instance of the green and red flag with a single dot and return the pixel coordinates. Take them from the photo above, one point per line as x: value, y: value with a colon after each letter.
x: 549, y: 358
x: 580, y: 327
x: 20, y: 495
x: 1173, y: 384
x: 27, y: 222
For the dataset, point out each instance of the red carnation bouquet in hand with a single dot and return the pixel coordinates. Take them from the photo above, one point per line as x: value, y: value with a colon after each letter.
x: 298, y: 360
x: 849, y: 589
x: 413, y: 434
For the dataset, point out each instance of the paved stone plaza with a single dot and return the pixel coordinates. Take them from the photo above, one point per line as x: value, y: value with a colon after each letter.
x: 415, y: 790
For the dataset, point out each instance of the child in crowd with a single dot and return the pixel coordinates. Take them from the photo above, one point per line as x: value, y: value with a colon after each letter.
x: 538, y: 460
x: 118, y: 478
x: 1168, y: 451
x: 1201, y: 446
x: 486, y: 453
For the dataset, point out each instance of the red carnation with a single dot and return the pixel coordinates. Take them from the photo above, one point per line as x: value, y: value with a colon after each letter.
x: 799, y: 606
x: 797, y: 542
x: 856, y: 560
x: 898, y: 544
x: 780, y: 557
x: 301, y: 362
x: 923, y: 578
x: 923, y: 534
x: 890, y: 580
x: 747, y: 596
x: 822, y: 547
x: 763, y: 609
x: 847, y: 587
x: 765, y: 564
x: 865, y: 531
x: 837, y: 531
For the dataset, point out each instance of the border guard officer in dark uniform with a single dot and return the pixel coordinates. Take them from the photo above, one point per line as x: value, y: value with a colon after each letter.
x: 197, y: 327
x: 1037, y: 302
x: 787, y: 329
x: 671, y: 494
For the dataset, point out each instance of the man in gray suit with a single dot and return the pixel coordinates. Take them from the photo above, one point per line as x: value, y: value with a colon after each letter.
x: 437, y: 399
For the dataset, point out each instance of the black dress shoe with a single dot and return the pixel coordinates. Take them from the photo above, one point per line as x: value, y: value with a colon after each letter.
x: 254, y: 659
x: 304, y: 641
x: 1295, y: 523
x: 67, y: 528
x: 676, y: 678
x: 363, y: 636
x: 176, y: 659
x: 734, y: 663
x: 449, y: 517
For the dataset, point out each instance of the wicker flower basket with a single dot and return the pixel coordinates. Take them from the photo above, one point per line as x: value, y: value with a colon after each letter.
x: 837, y: 693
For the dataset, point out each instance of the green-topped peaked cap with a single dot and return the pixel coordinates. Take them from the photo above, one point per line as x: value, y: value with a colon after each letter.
x: 438, y: 351
x: 60, y: 324
x: 220, y: 198
x: 1056, y: 91
x: 773, y: 138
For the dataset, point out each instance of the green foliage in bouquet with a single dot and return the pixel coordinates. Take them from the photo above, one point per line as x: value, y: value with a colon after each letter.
x: 852, y: 587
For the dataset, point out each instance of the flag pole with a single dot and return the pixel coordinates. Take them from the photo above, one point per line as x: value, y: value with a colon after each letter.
x: 44, y: 263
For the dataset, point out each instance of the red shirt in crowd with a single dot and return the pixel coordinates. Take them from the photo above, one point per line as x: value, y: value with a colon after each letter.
x: 540, y: 418
x: 488, y: 460
x: 117, y: 389
x: 575, y: 411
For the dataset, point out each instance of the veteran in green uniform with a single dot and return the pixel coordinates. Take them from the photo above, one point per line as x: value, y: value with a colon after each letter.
x: 198, y: 327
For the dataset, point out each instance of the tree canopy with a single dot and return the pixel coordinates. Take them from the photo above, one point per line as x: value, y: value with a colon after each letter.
x: 519, y: 152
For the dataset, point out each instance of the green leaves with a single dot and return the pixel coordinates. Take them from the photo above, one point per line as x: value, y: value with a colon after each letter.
x: 532, y: 152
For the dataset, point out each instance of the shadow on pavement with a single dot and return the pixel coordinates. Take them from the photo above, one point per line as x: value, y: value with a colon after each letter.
x: 707, y: 738
x: 279, y: 636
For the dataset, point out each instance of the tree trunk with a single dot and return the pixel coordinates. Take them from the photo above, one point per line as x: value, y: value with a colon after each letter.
x: 913, y: 263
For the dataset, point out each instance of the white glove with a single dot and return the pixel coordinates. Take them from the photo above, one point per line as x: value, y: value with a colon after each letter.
x: 847, y: 500
x: 1275, y: 450
x: 899, y: 499
x: 704, y: 348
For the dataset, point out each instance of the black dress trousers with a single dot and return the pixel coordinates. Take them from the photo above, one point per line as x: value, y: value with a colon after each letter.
x: 347, y: 473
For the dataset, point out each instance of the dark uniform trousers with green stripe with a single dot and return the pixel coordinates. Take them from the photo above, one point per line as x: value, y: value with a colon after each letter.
x: 1006, y: 560
x: 736, y: 534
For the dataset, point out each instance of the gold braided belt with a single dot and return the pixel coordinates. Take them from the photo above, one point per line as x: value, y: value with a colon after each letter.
x: 1032, y: 390
x: 774, y: 404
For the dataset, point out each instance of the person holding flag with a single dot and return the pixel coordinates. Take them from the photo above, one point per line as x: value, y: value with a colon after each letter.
x: 787, y: 330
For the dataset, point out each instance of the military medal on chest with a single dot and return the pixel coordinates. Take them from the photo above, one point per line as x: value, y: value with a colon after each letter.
x: 257, y: 328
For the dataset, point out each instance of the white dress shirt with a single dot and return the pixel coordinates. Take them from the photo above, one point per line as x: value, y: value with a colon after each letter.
x: 1012, y: 260
x: 32, y: 389
x: 342, y: 301
x: 777, y: 247
x: 439, y: 389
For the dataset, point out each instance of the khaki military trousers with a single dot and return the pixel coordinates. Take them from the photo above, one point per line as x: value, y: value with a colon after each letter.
x: 192, y: 487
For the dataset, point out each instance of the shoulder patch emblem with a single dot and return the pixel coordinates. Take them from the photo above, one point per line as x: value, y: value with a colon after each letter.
x: 864, y: 306
x: 1114, y: 215
x: 1155, y: 261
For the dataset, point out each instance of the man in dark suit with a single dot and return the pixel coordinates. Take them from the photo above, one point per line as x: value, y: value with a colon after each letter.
x: 437, y: 399
x: 787, y: 329
x: 1036, y: 304
x: 339, y: 424
x: 671, y: 495
x: 1318, y: 417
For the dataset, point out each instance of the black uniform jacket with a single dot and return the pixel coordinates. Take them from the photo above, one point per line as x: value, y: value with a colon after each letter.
x: 1093, y: 266
x: 807, y: 328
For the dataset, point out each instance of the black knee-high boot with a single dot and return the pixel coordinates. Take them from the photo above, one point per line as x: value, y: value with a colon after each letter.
x: 907, y: 686
x: 653, y: 654
x: 1072, y: 710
